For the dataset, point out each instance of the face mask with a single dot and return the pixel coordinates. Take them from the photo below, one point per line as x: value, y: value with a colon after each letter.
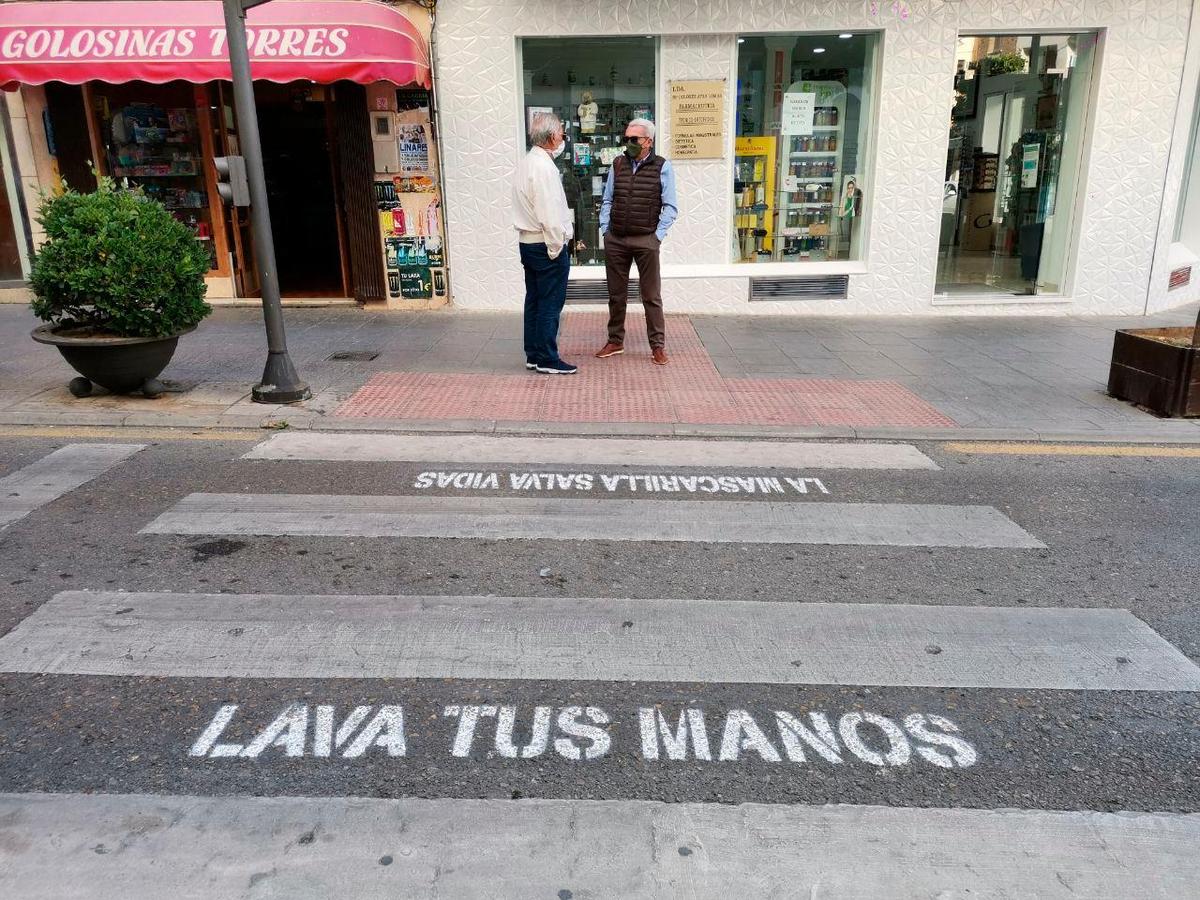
x: 633, y: 149
x: 558, y: 151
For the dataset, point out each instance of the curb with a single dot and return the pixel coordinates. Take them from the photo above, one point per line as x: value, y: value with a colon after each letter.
x: 1162, y: 432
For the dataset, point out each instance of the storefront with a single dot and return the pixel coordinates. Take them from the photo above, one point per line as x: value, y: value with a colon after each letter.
x: 344, y: 100
x: 836, y: 157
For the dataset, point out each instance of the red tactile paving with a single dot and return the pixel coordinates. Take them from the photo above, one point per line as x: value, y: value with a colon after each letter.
x: 629, y: 388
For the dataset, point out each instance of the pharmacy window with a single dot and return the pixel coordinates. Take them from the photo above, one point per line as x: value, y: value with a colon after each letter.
x: 805, y: 115
x: 595, y: 85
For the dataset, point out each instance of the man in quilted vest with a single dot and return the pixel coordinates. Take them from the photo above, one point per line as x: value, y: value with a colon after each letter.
x: 638, y: 209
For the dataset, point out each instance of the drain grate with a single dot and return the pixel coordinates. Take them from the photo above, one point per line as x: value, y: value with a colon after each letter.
x: 353, y: 356
x: 596, y: 291
x: 820, y: 287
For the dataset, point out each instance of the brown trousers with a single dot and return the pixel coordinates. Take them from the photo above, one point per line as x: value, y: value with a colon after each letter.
x: 619, y: 253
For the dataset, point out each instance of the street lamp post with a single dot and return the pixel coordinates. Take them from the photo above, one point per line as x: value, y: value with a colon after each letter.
x: 280, y: 382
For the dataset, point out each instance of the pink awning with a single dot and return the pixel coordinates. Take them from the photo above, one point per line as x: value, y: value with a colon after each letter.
x: 318, y: 40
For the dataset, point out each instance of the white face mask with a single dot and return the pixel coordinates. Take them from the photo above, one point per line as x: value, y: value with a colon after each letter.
x: 558, y: 151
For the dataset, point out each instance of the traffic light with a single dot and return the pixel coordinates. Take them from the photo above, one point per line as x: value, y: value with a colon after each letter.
x: 231, y: 180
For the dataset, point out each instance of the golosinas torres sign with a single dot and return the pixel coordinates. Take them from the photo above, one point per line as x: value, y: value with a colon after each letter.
x: 322, y: 41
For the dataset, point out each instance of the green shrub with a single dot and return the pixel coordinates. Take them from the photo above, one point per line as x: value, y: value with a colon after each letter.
x: 1004, y: 63
x: 118, y: 262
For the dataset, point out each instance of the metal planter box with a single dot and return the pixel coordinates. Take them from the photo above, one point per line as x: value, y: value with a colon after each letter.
x: 1163, y: 377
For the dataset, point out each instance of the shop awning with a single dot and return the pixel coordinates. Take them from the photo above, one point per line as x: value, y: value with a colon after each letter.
x: 318, y: 40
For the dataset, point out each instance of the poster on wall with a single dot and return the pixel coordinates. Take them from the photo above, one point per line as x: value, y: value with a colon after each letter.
x: 697, y: 119
x: 1030, y: 155
x: 414, y: 149
x: 608, y: 154
x: 799, y: 111
x: 850, y: 205
x: 421, y: 251
x: 416, y: 283
x: 531, y: 111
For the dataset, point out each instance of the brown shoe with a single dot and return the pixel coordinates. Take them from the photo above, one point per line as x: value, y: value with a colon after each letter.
x: 660, y: 356
x: 610, y: 349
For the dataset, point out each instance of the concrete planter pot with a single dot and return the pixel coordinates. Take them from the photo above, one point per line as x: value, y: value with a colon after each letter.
x: 1155, y: 368
x: 120, y: 364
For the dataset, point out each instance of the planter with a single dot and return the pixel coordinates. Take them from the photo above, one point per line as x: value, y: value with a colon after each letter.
x: 1154, y: 368
x: 120, y: 364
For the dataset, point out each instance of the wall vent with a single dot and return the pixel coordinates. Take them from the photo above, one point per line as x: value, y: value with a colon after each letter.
x: 596, y: 291
x: 817, y: 287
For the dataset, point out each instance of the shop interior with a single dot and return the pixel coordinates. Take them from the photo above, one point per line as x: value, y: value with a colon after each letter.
x: 297, y: 135
x: 803, y: 109
x: 1012, y: 164
x: 595, y: 85
x: 163, y: 137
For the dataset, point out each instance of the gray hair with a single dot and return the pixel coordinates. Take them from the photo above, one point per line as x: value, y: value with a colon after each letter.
x: 645, y: 124
x: 542, y: 127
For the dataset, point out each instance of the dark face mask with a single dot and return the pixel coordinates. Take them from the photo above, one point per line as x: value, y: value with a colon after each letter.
x: 632, y: 148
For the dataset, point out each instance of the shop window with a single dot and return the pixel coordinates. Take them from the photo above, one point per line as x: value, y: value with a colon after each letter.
x: 151, y: 137
x: 14, y: 261
x: 1187, y: 219
x: 595, y: 85
x: 1019, y: 116
x: 805, y: 117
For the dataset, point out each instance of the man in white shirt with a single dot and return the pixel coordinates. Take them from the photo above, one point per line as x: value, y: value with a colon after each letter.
x: 545, y: 227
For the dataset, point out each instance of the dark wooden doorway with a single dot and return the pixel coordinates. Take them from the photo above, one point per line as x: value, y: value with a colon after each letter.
x: 298, y: 152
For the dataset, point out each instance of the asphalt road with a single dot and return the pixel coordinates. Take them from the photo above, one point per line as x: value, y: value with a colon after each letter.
x: 1119, y: 533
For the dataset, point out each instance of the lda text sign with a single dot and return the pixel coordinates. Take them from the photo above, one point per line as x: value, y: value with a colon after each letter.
x: 697, y: 117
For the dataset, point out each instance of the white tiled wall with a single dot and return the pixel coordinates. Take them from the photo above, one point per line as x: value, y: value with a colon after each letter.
x: 1125, y: 182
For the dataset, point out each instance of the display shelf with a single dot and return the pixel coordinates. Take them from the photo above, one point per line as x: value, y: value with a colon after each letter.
x: 119, y: 173
x: 801, y: 217
x: 159, y: 147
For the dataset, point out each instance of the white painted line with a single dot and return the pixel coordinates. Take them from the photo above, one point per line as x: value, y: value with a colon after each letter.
x: 472, y: 449
x: 763, y: 642
x: 142, y: 847
x: 57, y: 474
x: 499, y: 518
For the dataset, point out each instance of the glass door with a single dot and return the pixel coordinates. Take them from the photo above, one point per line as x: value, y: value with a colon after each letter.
x: 1012, y: 164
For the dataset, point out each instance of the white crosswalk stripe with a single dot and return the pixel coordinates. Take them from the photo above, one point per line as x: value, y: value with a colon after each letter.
x: 727, y: 521
x: 257, y: 636
x: 475, y: 449
x: 56, y: 474
x: 193, y: 847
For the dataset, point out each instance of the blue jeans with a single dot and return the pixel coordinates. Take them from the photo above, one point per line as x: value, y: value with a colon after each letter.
x: 545, y: 294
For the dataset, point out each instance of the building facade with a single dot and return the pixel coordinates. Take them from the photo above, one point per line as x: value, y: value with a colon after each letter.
x: 907, y: 158
x: 845, y: 157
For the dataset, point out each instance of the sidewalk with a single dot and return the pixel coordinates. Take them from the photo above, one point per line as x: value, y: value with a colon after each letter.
x: 957, y: 378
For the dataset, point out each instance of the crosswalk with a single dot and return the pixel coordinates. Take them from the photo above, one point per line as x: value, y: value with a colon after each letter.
x: 57, y: 474
x: 307, y: 689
